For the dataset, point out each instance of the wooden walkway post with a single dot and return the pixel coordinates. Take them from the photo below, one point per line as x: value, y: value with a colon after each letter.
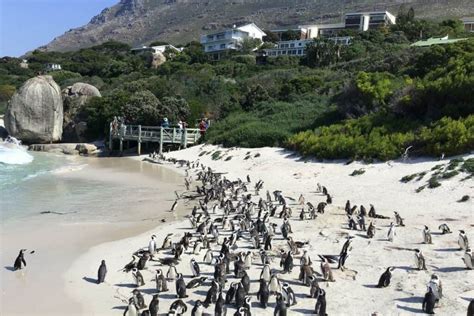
x: 161, y: 140
x: 185, y: 145
x: 139, y: 139
x: 111, y: 146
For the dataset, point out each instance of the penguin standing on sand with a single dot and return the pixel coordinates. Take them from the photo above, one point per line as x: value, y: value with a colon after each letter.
x: 427, y: 235
x: 429, y: 302
x: 444, y: 229
x: 198, y: 309
x: 195, y: 270
x: 20, y: 261
x: 143, y: 260
x: 220, y: 309
x: 326, y: 271
x: 167, y: 242
x: 178, y: 307
x: 320, y: 308
x: 240, y: 296
x: 265, y: 274
x: 245, y: 281
x: 230, y: 295
x: 263, y: 293
x: 101, y: 272
x: 180, y: 287
x: 154, y: 306
x: 468, y: 260
x: 313, y: 291
x: 152, y: 245
x: 137, y: 277
x: 138, y: 299
x: 463, y: 242
x: 161, y: 284
x: 420, y: 261
x: 131, y: 309
x: 288, y: 295
x: 208, y: 256
x: 172, y: 273
x: 384, y: 280
x: 280, y: 307
x: 288, y: 263
x: 371, y: 230
x: 391, y: 232
x: 274, y: 286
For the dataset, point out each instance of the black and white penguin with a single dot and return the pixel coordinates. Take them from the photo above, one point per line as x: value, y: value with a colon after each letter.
x: 20, y: 261
x: 263, y: 293
x: 152, y: 245
x: 208, y: 256
x: 239, y: 267
x: 420, y: 261
x: 245, y: 282
x: 240, y: 296
x: 444, y: 229
x: 137, y: 277
x: 384, y: 280
x: 132, y: 264
x: 178, y: 307
x: 172, y: 273
x: 197, y: 247
x: 180, y: 287
x: 131, y: 309
x: 266, y: 273
x: 220, y: 309
x: 197, y: 282
x: 391, y: 232
x: 468, y: 260
x: 230, y: 295
x: 154, y: 305
x: 427, y: 239
x: 167, y: 242
x: 326, y: 271
x: 371, y: 230
x: 139, y: 300
x: 161, y: 284
x: 248, y: 260
x: 274, y: 286
x: 198, y: 309
x: 288, y: 263
x: 288, y: 294
x: 143, y: 260
x: 463, y: 242
x: 211, y: 296
x: 314, y: 286
x: 280, y: 307
x: 195, y: 270
x: 470, y: 308
x: 102, y: 272
x: 429, y: 302
x: 320, y: 308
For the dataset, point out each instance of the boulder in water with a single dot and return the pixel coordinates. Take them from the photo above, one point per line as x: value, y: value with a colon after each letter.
x: 35, y: 112
x: 74, y: 99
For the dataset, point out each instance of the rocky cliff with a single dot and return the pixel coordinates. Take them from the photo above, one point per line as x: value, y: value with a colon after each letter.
x: 179, y: 21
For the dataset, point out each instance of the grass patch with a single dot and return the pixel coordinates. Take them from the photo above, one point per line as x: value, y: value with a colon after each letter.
x: 419, y: 189
x: 454, y: 163
x: 216, y: 155
x: 433, y: 182
x: 468, y: 166
x: 408, y: 178
x: 437, y: 167
x: 247, y: 157
x: 256, y: 155
x: 449, y: 174
x: 202, y: 153
x: 228, y: 158
x: 421, y: 175
x: 357, y: 172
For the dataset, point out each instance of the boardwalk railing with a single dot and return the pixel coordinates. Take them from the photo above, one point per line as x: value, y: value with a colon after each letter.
x: 153, y: 134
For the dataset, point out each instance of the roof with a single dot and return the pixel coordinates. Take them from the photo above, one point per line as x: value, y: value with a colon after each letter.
x: 240, y: 28
x: 437, y: 41
x: 468, y: 19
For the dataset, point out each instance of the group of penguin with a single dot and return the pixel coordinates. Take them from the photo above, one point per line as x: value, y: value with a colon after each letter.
x: 236, y: 221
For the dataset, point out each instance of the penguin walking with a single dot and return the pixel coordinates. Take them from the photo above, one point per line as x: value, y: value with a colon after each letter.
x: 195, y: 269
x: 288, y: 295
x: 463, y: 242
x: 137, y: 277
x: 263, y: 293
x: 429, y: 302
x: 280, y: 307
x: 101, y: 273
x: 20, y: 261
x: 180, y: 287
x: 384, y: 280
x: 320, y: 308
x: 391, y: 232
x: 420, y: 261
x: 427, y: 239
x: 154, y: 306
x: 161, y: 284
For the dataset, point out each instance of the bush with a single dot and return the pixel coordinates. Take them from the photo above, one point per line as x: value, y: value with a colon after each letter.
x: 244, y: 59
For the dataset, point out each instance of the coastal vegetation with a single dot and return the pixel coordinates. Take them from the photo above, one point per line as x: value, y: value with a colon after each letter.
x: 378, y: 98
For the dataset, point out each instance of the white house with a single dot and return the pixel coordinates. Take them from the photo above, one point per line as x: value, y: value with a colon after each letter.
x: 155, y: 49
x: 52, y: 67
x: 468, y: 24
x: 298, y: 47
x: 230, y: 39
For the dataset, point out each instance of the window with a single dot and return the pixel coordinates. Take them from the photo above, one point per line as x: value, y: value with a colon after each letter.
x: 222, y: 46
x: 300, y: 51
x: 292, y: 45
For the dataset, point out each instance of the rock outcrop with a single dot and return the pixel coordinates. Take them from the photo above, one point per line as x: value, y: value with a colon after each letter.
x: 157, y: 60
x: 35, y: 112
x: 66, y: 148
x: 74, y: 98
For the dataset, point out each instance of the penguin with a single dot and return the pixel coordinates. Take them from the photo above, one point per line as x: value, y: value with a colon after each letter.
x: 436, y: 287
x: 167, y: 242
x: 470, y: 308
x: 266, y: 273
x: 427, y: 235
x: 178, y: 307
x: 245, y: 281
x: 280, y: 307
x: 152, y: 245
x: 208, y: 256
x: 211, y: 295
x: 194, y: 283
x: 468, y: 260
x: 444, y: 229
x: 102, y: 272
x: 420, y: 261
x: 248, y: 260
x: 240, y: 295
x: 314, y: 286
x: 371, y: 230
x: 320, y: 308
x: 172, y: 273
x: 288, y: 264
x: 384, y: 280
x: 180, y: 287
x: 198, y: 309
x: 161, y: 284
x: 391, y: 232
x: 274, y: 286
x: 239, y: 267
x: 195, y: 270
x: 131, y: 309
x: 154, y: 305
x: 229, y: 297
x: 263, y: 293
x: 326, y: 271
x: 288, y: 295
x: 197, y: 247
x: 429, y: 302
x: 463, y: 242
x: 220, y: 309
x: 20, y: 261
x: 129, y: 266
x: 398, y: 219
x: 248, y: 306
x: 145, y: 313
x: 143, y: 260
x: 138, y: 299
x: 137, y: 277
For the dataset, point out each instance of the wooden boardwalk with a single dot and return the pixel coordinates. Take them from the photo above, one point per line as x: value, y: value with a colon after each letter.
x: 153, y: 134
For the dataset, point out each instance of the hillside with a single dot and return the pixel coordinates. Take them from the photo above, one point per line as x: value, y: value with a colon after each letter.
x: 138, y: 22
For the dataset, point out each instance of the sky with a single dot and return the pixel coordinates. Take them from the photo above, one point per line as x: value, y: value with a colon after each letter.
x: 28, y: 24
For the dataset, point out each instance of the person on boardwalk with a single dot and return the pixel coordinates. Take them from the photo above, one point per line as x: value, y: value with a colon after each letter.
x: 202, y: 127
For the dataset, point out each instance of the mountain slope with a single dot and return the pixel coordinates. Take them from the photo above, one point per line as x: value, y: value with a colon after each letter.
x: 179, y: 21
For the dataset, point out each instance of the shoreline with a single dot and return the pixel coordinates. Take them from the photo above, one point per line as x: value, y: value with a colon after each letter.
x: 380, y: 185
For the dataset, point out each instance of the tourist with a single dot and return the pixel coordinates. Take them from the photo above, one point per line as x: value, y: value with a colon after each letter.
x: 202, y: 127
x: 165, y: 123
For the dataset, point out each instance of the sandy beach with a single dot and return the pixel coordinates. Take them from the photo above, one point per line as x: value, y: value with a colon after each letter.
x: 354, y: 291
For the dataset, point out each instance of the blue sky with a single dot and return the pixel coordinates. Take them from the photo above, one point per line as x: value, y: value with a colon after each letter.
x: 27, y: 24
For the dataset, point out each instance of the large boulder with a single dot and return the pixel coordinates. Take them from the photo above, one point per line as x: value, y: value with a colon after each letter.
x: 35, y: 112
x: 157, y: 60
x: 74, y: 99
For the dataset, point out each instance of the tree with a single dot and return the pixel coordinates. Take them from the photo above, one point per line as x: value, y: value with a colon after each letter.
x: 175, y: 109
x: 322, y: 53
x: 290, y: 35
x: 254, y: 95
x: 270, y: 37
x: 143, y: 108
x: 248, y: 45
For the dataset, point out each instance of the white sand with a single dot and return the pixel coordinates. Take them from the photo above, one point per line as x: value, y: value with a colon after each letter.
x: 353, y: 293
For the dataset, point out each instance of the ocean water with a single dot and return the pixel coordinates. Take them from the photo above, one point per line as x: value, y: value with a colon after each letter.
x: 46, y: 186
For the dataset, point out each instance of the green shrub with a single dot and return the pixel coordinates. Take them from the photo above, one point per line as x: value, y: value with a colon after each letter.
x: 357, y: 172
x: 433, y: 182
x: 408, y: 178
x: 468, y: 166
x: 449, y: 174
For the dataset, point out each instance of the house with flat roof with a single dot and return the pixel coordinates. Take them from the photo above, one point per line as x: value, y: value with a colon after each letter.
x: 298, y: 47
x: 221, y: 42
x: 363, y: 21
x: 52, y: 67
x: 154, y: 49
x: 437, y: 41
x: 468, y: 24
